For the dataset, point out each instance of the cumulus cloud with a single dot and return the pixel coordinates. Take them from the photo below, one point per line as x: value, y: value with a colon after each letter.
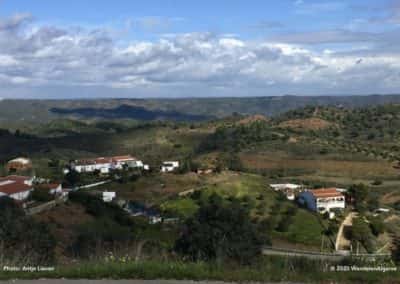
x: 54, y: 59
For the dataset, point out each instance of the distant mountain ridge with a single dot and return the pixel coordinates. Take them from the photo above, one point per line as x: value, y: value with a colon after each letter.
x: 132, y: 112
x: 191, y: 109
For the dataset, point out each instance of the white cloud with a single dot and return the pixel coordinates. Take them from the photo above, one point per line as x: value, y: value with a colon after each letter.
x: 189, y: 64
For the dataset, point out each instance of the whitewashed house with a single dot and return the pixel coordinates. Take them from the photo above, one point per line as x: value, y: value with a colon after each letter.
x: 105, y: 164
x: 90, y: 165
x: 109, y: 196
x: 120, y: 161
x: 322, y: 200
x: 284, y: 186
x: 289, y: 189
x: 16, y: 187
x: 169, y: 166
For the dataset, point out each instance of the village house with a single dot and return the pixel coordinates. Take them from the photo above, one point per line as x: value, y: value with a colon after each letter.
x: 322, y: 200
x: 289, y: 189
x: 105, y: 164
x: 284, y: 186
x: 108, y: 196
x: 169, y: 166
x: 16, y: 187
x: 19, y: 164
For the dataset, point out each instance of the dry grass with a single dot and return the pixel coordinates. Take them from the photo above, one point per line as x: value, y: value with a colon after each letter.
x: 333, y: 168
x: 253, y: 118
x: 306, y: 124
x: 390, y: 198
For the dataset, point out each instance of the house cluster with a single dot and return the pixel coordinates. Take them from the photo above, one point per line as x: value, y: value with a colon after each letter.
x: 20, y: 187
x: 318, y: 200
x: 105, y: 164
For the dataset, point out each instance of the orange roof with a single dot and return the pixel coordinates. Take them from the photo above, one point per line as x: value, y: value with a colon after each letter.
x: 105, y: 160
x: 326, y: 192
x: 124, y: 157
x: 15, y: 178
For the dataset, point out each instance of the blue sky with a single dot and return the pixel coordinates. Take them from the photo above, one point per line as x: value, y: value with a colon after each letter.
x: 182, y: 48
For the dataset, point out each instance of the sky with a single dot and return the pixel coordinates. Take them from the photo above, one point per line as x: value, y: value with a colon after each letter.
x: 207, y: 48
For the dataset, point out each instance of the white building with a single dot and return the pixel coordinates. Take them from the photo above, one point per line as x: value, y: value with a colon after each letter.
x: 109, y: 196
x: 105, y: 164
x: 322, y: 200
x: 120, y: 161
x: 16, y: 187
x: 283, y: 186
x: 169, y: 166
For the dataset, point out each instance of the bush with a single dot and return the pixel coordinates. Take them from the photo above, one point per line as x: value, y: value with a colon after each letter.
x: 23, y: 238
x: 41, y: 194
x: 219, y: 230
x: 96, y: 207
x: 377, y: 182
x: 101, y: 234
x: 377, y: 225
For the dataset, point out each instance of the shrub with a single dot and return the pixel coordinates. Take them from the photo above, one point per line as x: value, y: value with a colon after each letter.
x: 219, y: 230
x: 377, y: 225
x: 23, y: 237
x: 42, y: 194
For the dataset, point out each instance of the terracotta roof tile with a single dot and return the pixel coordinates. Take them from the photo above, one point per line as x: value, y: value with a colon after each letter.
x: 326, y: 192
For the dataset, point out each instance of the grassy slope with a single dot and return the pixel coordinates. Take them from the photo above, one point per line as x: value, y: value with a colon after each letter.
x: 268, y: 269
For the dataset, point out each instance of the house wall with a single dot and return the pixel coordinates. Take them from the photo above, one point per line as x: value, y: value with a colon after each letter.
x: 56, y: 190
x: 20, y: 195
x: 331, y: 203
x: 307, y: 199
x: 169, y: 166
x: 92, y: 167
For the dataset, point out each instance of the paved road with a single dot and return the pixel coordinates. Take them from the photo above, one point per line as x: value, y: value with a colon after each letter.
x: 84, y: 281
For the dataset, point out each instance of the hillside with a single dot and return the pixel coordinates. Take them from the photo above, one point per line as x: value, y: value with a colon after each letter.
x: 239, y: 157
x: 18, y: 112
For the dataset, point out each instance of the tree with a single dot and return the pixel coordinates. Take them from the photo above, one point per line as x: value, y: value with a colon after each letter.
x: 220, y: 229
x: 396, y: 249
x: 41, y: 194
x: 230, y: 161
x: 377, y: 225
x: 361, y: 232
x: 72, y: 177
x: 188, y: 165
x: 22, y: 237
x: 358, y: 194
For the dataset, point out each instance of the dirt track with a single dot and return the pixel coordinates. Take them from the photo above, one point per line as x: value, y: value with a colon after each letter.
x: 343, y: 244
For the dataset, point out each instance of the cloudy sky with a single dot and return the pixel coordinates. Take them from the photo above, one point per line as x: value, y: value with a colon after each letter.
x: 180, y: 48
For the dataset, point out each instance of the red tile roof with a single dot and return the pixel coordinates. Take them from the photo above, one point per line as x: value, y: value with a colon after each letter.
x: 105, y: 160
x: 124, y: 157
x: 15, y: 178
x: 11, y: 187
x: 326, y: 192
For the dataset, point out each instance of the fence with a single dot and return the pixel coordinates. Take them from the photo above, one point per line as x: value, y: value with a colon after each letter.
x: 45, y: 206
x: 319, y: 255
